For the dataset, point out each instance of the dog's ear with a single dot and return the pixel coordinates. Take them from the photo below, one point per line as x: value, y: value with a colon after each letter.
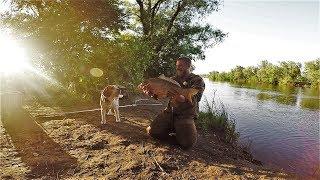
x: 108, y: 91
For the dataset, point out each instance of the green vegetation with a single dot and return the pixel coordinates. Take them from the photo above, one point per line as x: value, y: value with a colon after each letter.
x: 286, y: 73
x: 215, y: 118
x: 127, y: 40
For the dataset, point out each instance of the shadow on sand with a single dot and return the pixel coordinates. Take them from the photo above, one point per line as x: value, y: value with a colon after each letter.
x: 36, y: 149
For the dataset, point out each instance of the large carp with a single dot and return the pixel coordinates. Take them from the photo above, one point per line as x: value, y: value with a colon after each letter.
x: 163, y: 87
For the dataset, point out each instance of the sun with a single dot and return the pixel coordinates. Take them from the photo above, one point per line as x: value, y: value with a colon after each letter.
x: 15, y: 62
x: 13, y: 58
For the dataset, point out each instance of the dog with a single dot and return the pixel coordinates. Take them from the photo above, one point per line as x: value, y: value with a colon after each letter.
x: 109, y: 100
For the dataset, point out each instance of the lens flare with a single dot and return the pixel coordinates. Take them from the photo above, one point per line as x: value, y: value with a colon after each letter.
x: 96, y: 72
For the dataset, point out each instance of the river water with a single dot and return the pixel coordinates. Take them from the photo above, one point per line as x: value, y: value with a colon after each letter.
x: 281, y: 125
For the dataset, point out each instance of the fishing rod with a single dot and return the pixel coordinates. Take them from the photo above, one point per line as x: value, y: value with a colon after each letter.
x: 135, y: 104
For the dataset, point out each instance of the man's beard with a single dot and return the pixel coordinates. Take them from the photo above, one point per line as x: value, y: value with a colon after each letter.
x: 181, y: 73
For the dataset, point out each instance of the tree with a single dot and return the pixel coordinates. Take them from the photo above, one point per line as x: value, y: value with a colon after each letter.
x: 312, y: 72
x: 250, y: 74
x: 268, y: 73
x: 75, y: 36
x: 124, y: 41
x: 290, y: 72
x: 237, y: 75
x: 173, y: 29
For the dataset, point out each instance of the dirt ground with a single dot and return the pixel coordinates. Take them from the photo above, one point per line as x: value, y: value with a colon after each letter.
x: 36, y: 143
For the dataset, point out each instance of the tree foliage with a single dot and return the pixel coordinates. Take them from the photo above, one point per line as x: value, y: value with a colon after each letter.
x: 73, y: 37
x: 127, y: 40
x: 174, y: 28
x: 312, y: 71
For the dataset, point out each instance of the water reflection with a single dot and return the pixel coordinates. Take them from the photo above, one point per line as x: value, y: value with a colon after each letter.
x: 305, y: 91
x: 264, y: 96
x: 282, y: 99
x: 287, y: 100
x: 315, y: 91
x: 307, y: 98
x: 310, y: 103
x: 287, y: 90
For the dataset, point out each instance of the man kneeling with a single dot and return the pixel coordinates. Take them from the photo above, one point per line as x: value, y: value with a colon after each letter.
x: 178, y: 120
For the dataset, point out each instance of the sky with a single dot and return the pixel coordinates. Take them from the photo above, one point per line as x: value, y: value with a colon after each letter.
x: 3, y: 6
x: 263, y: 30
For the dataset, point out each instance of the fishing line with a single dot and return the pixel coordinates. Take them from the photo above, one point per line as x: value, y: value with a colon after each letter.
x: 145, y: 104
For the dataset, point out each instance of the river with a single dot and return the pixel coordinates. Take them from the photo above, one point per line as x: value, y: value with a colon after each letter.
x: 281, y: 124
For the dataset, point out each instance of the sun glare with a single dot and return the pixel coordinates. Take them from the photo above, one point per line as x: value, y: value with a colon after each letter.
x: 13, y: 58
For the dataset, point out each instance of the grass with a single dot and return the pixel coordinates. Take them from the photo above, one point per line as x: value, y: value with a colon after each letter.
x: 216, y: 119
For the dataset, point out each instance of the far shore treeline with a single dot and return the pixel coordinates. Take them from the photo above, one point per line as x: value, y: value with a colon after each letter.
x: 284, y: 73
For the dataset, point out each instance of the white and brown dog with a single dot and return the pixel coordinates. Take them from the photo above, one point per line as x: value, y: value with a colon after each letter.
x: 109, y: 100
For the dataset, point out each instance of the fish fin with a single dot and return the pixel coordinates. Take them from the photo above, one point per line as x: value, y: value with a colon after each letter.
x: 162, y: 76
x: 190, y: 92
